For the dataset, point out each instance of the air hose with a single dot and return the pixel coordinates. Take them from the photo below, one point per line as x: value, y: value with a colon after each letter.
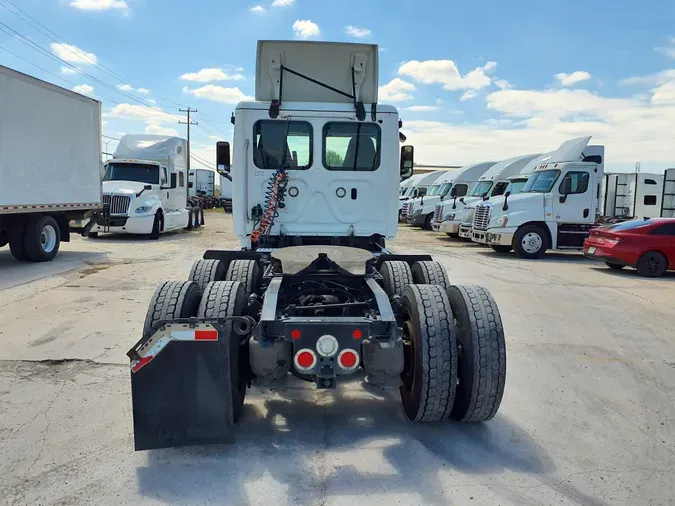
x: 274, y: 200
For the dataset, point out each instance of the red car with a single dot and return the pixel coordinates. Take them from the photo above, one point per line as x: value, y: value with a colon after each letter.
x: 648, y: 245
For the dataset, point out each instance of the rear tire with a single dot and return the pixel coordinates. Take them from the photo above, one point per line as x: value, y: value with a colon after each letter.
x: 481, y: 370
x: 247, y: 272
x: 430, y: 374
x: 616, y: 267
x: 396, y: 276
x: 427, y: 222
x: 92, y: 235
x: 15, y: 237
x: 201, y: 216
x: 228, y: 298
x: 190, y: 223
x: 172, y: 300
x: 204, y: 272
x: 530, y: 242
x: 430, y: 272
x: 42, y: 238
x: 652, y: 264
x: 501, y: 249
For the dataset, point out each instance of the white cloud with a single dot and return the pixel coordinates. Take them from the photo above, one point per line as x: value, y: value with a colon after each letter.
x: 125, y: 87
x: 421, y: 108
x: 649, y: 80
x: 68, y: 70
x: 84, y: 89
x: 305, y: 29
x: 219, y: 94
x: 214, y: 137
x: 212, y: 74
x: 258, y: 9
x: 573, y: 78
x: 99, y: 5
x: 468, y: 95
x: 73, y: 54
x: 396, y: 90
x: 445, y: 72
x: 283, y: 3
x: 503, y: 84
x: 160, y: 130
x: 669, y: 50
x: 359, y: 33
x: 143, y: 91
x: 150, y: 115
x: 151, y: 101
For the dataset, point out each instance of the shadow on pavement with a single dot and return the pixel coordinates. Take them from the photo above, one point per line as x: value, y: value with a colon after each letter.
x: 318, y: 444
x: 550, y: 256
x: 629, y: 273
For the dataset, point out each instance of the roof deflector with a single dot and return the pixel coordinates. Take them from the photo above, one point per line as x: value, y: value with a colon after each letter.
x: 317, y: 72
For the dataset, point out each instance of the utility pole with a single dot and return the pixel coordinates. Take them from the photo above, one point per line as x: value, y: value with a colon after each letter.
x: 188, y: 123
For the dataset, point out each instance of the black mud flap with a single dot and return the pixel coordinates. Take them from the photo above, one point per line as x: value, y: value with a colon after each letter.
x: 183, y: 396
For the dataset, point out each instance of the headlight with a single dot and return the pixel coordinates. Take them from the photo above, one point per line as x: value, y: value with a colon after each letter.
x: 449, y: 217
x: 499, y: 222
x: 143, y: 209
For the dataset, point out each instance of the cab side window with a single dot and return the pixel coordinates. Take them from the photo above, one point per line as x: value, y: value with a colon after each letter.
x: 579, y: 182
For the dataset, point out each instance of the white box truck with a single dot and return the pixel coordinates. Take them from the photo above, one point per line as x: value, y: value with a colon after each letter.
x: 50, y: 164
x: 203, y: 182
x: 145, y: 185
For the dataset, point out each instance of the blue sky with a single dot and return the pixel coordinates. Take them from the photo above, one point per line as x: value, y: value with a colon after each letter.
x: 473, y: 80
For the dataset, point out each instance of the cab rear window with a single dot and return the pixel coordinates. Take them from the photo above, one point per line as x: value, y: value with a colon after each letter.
x: 351, y: 146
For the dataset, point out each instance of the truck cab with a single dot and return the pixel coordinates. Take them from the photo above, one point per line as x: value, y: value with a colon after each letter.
x: 448, y: 216
x: 557, y: 207
x: 419, y: 189
x: 145, y: 186
x: 451, y: 187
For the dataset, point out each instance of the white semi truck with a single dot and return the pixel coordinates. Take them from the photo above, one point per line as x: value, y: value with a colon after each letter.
x: 492, y: 183
x: 313, y: 290
x: 203, y: 182
x: 418, y: 189
x: 556, y: 209
x: 634, y: 195
x: 50, y: 165
x: 453, y: 185
x: 145, y: 185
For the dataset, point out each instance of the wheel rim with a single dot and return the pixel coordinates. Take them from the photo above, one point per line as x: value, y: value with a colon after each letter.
x: 48, y: 238
x: 532, y: 242
x: 652, y: 264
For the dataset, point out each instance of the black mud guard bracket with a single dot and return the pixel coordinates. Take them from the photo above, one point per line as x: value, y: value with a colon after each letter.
x: 226, y: 256
x: 410, y: 259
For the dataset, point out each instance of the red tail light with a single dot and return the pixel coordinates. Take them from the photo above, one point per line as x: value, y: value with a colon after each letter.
x: 305, y: 360
x: 348, y: 359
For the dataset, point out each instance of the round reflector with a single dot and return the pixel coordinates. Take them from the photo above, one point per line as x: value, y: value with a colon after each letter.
x: 327, y: 346
x: 348, y: 359
x: 357, y: 334
x: 295, y: 334
x: 305, y: 359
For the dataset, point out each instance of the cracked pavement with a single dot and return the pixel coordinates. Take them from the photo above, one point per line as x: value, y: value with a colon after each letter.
x: 588, y: 415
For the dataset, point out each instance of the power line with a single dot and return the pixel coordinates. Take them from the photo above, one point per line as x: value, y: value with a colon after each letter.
x: 80, y: 54
x: 188, y: 123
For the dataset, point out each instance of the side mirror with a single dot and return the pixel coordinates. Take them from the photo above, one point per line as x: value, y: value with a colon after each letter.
x: 223, y: 156
x: 407, y: 161
x: 565, y: 188
x: 190, y: 184
x: 147, y: 187
x: 506, y: 201
x: 453, y: 192
x: 507, y: 194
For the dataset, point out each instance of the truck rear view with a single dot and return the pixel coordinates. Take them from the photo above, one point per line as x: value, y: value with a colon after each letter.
x: 50, y: 164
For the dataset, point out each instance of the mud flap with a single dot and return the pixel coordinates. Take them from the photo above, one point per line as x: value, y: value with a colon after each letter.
x: 183, y: 395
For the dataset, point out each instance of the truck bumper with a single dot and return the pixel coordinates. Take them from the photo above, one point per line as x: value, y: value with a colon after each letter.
x: 449, y: 227
x: 417, y: 220
x: 465, y: 232
x: 132, y: 225
x: 499, y: 236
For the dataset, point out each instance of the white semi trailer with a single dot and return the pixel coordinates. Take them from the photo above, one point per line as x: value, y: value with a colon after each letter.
x: 50, y: 164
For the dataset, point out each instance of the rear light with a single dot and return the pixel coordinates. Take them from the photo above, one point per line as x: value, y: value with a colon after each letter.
x: 327, y: 346
x: 357, y: 334
x: 305, y: 360
x: 613, y: 241
x: 295, y: 334
x: 348, y: 359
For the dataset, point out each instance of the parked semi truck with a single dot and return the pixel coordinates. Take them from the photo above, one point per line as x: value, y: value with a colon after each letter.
x: 492, y: 183
x: 203, y: 182
x: 418, y: 189
x: 454, y: 184
x: 145, y: 185
x: 633, y: 195
x: 50, y: 164
x: 313, y: 290
x: 558, y: 206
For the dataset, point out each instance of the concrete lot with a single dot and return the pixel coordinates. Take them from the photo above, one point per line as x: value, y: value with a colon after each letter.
x: 587, y: 417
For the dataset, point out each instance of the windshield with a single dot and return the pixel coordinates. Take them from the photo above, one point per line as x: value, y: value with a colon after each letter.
x: 410, y: 191
x: 516, y: 186
x: 481, y: 188
x: 445, y: 188
x: 541, y: 182
x: 434, y: 190
x: 140, y: 172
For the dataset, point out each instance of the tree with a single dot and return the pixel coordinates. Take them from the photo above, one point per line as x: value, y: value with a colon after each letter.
x: 333, y: 158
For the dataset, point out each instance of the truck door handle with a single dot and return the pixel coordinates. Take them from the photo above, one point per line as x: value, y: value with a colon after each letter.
x: 354, y: 191
x: 586, y: 212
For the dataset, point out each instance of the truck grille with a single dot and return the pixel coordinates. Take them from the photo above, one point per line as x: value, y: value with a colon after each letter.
x: 406, y: 209
x: 438, y: 213
x: 467, y: 220
x: 119, y: 204
x: 481, y: 218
